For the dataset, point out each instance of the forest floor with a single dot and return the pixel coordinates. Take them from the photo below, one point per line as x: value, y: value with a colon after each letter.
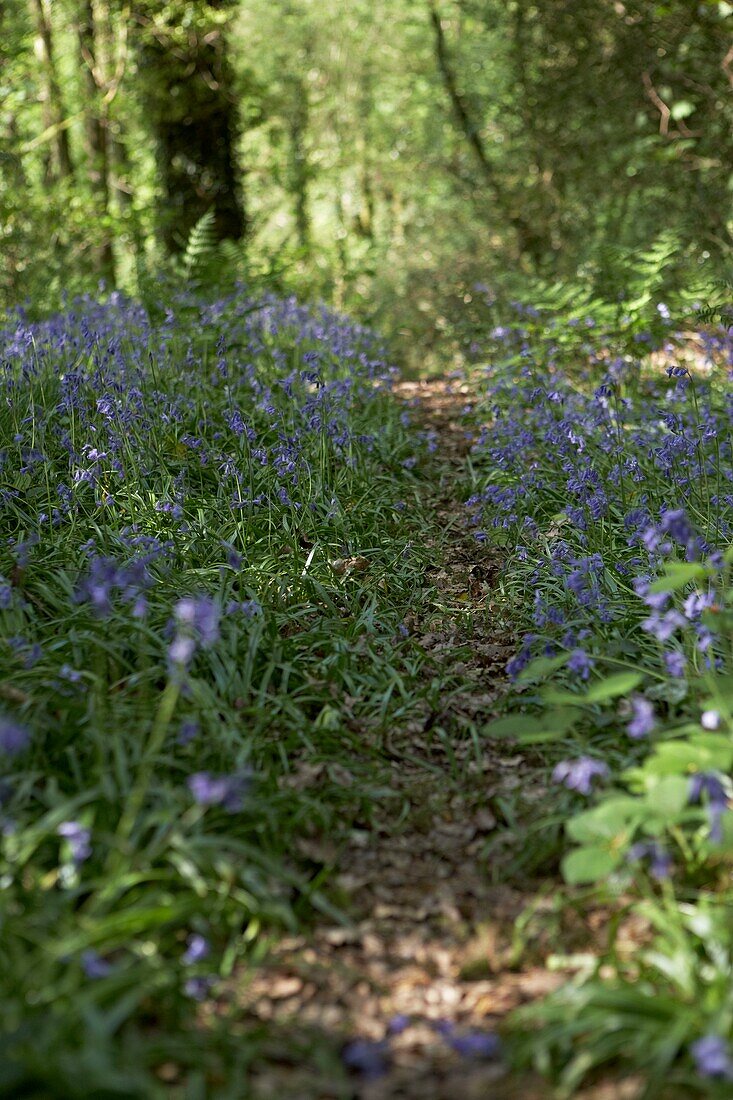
x: 443, y: 938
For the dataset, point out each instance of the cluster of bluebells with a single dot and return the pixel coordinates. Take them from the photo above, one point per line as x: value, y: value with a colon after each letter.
x: 285, y: 385
x: 196, y: 624
x: 712, y: 1057
x: 227, y: 791
x: 78, y: 839
x: 602, y: 474
x: 152, y: 472
x: 14, y: 737
x: 673, y: 624
x: 580, y: 775
x: 593, y: 474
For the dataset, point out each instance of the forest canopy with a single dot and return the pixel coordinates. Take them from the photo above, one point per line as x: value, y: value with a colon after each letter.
x: 369, y: 150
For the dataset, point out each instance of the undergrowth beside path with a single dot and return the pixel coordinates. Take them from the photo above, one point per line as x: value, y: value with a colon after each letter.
x: 314, y: 683
x: 245, y: 656
x: 212, y: 545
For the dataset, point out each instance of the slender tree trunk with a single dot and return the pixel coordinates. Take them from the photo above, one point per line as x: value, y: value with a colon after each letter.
x: 299, y: 168
x: 366, y: 187
x: 97, y: 137
x: 54, y: 111
x: 529, y: 241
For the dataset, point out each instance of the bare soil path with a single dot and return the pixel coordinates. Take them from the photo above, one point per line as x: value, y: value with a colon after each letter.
x: 432, y: 955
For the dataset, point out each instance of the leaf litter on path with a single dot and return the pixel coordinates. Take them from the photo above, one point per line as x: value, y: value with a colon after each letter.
x: 404, y: 1000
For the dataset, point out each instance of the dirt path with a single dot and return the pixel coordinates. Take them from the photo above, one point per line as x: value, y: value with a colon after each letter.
x: 432, y: 960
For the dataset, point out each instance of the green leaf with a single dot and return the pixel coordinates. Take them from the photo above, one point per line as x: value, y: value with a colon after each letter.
x: 621, y: 683
x: 705, y: 752
x: 514, y: 725
x: 588, y: 864
x: 669, y: 795
x: 682, y: 109
x: 605, y: 821
x: 677, y: 575
x: 541, y: 668
x: 531, y: 729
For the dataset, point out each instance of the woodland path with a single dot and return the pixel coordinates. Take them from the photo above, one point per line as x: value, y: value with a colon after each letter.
x: 433, y: 935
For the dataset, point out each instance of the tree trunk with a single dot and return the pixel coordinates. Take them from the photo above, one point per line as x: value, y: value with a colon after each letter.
x: 97, y: 138
x: 528, y: 240
x: 188, y: 88
x: 54, y: 112
x: 299, y: 171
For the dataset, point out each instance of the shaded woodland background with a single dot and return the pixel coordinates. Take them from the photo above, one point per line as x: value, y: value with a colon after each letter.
x: 384, y: 155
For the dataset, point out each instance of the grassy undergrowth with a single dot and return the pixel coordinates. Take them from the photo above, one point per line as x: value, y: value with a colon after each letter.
x: 211, y: 536
x: 604, y: 468
x: 216, y: 537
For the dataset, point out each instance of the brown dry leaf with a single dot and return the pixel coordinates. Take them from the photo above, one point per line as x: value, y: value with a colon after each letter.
x: 349, y: 565
x: 304, y: 776
x: 319, y: 850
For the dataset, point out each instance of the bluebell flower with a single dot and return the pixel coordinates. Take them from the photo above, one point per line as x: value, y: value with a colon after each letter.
x: 14, y: 738
x: 675, y: 663
x: 712, y: 1057
x: 658, y: 859
x: 181, y: 651
x: 578, y: 775
x: 580, y: 662
x: 197, y: 949
x: 220, y: 790
x: 201, y: 615
x: 664, y: 626
x: 711, y: 785
x: 198, y: 988
x: 248, y: 608
x: 476, y: 1044
x: 94, y: 966
x: 642, y: 721
x: 189, y: 729
x: 78, y: 838
x: 367, y: 1057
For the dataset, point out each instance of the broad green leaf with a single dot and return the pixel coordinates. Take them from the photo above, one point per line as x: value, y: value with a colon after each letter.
x: 621, y: 683
x: 541, y: 668
x: 514, y: 725
x: 588, y: 864
x: 705, y: 752
x: 604, y: 821
x: 677, y: 575
x: 532, y: 727
x: 668, y: 796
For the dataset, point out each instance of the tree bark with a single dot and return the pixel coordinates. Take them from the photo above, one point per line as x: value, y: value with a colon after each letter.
x: 97, y: 137
x: 528, y: 240
x: 54, y: 112
x: 188, y: 89
x: 298, y: 110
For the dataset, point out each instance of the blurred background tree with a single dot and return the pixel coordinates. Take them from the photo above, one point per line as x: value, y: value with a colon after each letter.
x: 384, y: 154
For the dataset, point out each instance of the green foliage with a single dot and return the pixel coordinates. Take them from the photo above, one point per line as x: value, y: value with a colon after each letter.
x: 200, y: 253
x: 582, y: 439
x: 167, y: 488
x: 355, y: 170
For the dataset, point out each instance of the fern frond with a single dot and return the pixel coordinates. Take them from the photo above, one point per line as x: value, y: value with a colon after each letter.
x: 201, y: 245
